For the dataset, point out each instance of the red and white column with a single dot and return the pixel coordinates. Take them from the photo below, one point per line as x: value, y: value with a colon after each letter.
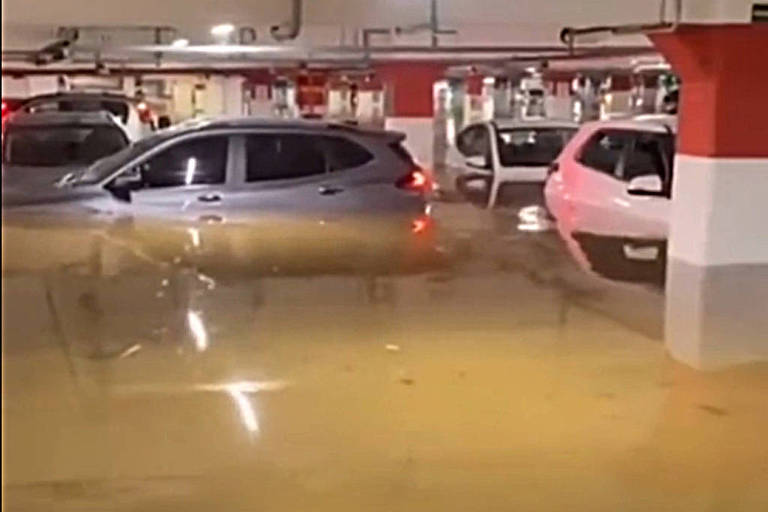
x: 410, y: 88
x: 720, y: 196
x: 718, y: 246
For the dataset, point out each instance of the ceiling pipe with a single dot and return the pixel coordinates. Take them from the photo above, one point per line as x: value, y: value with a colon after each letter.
x: 57, y: 50
x: 243, y: 55
x: 569, y: 34
x: 433, y: 26
x: 226, y: 66
x: 155, y: 32
x: 252, y: 53
x: 289, y: 31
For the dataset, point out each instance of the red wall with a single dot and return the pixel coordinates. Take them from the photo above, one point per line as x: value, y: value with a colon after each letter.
x: 411, y: 85
x: 724, y: 68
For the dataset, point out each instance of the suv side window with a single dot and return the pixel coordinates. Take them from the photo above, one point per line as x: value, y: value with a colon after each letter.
x: 474, y: 141
x: 283, y: 156
x: 202, y: 160
x: 605, y: 150
x: 344, y: 154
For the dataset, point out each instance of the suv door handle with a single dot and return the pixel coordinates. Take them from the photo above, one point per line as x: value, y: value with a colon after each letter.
x: 329, y: 190
x: 209, y: 198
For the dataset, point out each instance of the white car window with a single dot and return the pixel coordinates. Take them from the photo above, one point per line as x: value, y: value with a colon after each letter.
x: 474, y: 141
x: 651, y: 153
x: 531, y: 146
x: 605, y: 151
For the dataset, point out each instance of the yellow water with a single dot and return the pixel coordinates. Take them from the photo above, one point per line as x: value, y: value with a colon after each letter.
x: 298, y: 366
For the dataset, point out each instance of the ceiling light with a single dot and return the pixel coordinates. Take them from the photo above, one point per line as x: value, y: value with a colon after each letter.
x: 223, y: 29
x: 180, y: 43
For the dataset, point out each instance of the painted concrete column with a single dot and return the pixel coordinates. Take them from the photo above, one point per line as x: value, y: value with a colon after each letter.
x: 719, y: 206
x: 717, y: 281
x: 233, y: 95
x: 410, y: 89
x: 473, y: 99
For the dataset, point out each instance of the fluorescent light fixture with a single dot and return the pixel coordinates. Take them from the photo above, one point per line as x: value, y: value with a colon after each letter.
x: 180, y: 43
x: 222, y: 30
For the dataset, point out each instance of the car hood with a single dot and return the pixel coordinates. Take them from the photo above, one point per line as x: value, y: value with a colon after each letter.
x: 21, y: 195
x: 23, y: 176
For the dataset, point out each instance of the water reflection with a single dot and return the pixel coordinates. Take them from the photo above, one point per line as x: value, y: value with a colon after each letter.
x: 714, y: 316
x: 459, y: 365
x: 244, y: 405
x: 197, y: 328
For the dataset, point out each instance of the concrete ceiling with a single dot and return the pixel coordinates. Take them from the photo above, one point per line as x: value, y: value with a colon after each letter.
x: 327, y: 21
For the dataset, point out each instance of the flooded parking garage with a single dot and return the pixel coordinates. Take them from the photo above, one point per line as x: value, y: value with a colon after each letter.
x: 384, y: 255
x: 152, y: 366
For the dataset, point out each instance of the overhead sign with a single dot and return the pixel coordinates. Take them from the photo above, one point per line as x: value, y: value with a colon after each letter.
x: 760, y: 12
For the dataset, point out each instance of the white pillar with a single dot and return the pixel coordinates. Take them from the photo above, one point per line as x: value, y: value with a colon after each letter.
x: 716, y: 316
x: 420, y: 137
x: 233, y: 95
x: 719, y: 211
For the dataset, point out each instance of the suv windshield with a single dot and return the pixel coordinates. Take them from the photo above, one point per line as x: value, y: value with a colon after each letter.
x: 56, y: 146
x: 531, y: 146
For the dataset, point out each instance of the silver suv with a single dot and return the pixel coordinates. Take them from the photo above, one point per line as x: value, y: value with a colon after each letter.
x: 242, y: 168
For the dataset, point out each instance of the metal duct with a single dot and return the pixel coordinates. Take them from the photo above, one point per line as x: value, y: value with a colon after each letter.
x: 569, y: 35
x: 286, y: 32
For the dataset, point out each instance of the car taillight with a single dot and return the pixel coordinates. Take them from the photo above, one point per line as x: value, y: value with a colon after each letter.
x: 416, y: 180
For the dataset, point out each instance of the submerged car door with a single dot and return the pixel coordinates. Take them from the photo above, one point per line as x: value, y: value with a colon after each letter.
x: 593, y: 183
x: 472, y: 142
x: 606, y: 164
x: 186, y: 180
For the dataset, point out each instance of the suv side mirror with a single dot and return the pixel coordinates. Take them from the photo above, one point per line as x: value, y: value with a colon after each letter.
x: 122, y: 186
x: 647, y: 185
x: 477, y: 162
x: 120, y: 190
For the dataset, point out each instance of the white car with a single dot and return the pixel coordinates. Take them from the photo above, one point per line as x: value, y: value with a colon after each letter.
x: 615, y: 178
x: 40, y: 148
x: 499, y: 152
